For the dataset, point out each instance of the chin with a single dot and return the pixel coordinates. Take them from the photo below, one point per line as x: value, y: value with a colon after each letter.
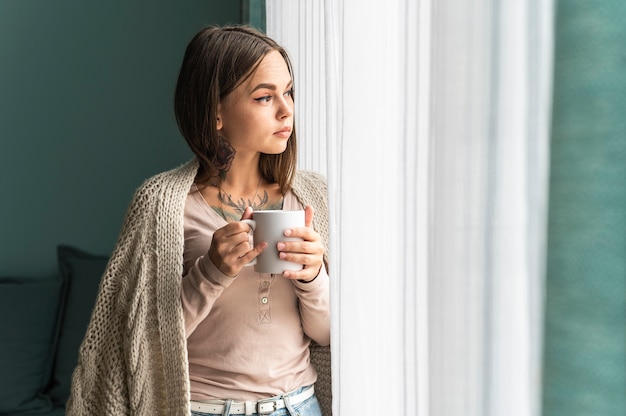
x: 276, y: 150
x: 273, y: 153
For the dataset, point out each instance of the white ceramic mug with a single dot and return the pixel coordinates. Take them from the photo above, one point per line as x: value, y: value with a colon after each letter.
x: 269, y: 226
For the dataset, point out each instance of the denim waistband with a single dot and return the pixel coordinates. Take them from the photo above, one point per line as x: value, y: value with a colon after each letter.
x: 261, y: 407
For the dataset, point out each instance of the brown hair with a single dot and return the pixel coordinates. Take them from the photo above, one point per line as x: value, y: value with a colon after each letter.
x: 216, y: 61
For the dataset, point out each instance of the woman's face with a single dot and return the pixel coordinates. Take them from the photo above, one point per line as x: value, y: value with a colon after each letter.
x: 258, y: 115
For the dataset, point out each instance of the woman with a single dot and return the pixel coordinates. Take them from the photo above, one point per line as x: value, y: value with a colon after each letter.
x: 181, y: 324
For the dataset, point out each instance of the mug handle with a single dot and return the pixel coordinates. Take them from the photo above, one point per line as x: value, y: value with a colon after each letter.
x: 252, y: 225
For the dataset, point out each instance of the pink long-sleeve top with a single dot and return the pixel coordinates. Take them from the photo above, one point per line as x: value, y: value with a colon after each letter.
x: 248, y: 336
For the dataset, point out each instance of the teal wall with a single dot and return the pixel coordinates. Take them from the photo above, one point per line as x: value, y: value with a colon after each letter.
x: 253, y: 13
x: 585, y: 351
x: 86, y: 115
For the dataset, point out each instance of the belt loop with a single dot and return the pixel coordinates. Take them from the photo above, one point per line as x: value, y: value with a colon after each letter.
x: 288, y: 406
x: 227, y: 405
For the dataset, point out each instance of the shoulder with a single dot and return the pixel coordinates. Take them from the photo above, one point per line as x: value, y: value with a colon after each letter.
x: 310, y: 175
x: 308, y: 179
x: 311, y: 189
x: 176, y: 179
x: 157, y: 206
x: 166, y: 190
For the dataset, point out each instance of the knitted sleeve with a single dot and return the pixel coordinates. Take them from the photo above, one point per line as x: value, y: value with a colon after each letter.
x: 99, y: 382
x: 133, y: 358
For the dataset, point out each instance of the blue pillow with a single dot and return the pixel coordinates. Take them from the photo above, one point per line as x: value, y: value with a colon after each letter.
x: 82, y: 273
x: 30, y: 312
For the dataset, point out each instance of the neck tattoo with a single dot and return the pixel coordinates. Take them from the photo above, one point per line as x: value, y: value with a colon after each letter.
x: 257, y: 202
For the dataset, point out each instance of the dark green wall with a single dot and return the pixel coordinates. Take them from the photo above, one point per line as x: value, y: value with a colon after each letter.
x: 85, y: 116
x: 585, y: 353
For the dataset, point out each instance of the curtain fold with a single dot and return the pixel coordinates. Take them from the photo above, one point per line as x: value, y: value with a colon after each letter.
x: 436, y: 122
x: 299, y: 27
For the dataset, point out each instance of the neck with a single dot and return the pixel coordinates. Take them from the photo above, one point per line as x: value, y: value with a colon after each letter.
x: 242, y: 177
x: 240, y: 184
x: 235, y: 200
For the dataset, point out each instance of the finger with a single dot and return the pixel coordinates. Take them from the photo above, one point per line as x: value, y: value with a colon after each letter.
x: 230, y: 249
x: 250, y: 255
x: 230, y: 236
x: 304, y: 247
x: 307, y: 274
x: 236, y: 257
x: 301, y: 258
x: 233, y: 229
x: 241, y: 249
x: 308, y: 215
x: 304, y: 233
x: 247, y: 214
x: 298, y: 258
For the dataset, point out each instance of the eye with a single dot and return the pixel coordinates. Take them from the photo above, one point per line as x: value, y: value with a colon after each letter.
x: 289, y: 93
x: 264, y: 99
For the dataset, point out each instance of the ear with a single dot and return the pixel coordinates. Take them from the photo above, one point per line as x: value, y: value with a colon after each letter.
x: 219, y: 123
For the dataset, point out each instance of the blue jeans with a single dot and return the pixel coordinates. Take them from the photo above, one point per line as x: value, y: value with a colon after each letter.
x: 309, y: 407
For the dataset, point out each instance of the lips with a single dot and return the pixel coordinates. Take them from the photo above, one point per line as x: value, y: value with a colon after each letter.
x: 283, y: 133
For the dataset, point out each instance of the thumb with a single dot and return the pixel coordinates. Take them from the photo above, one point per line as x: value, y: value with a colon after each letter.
x: 308, y: 215
x: 247, y: 214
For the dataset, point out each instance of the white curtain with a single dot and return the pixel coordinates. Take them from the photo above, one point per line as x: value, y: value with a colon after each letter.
x: 431, y: 121
x: 299, y: 28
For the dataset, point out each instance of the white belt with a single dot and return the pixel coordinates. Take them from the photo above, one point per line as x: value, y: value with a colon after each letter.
x: 262, y: 407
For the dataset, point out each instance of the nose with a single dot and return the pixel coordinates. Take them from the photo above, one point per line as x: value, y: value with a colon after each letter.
x: 285, y: 109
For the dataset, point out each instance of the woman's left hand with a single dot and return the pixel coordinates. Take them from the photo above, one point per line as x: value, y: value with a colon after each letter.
x: 309, y: 252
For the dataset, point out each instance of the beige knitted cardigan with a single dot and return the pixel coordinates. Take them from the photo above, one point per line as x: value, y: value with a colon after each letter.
x: 133, y: 359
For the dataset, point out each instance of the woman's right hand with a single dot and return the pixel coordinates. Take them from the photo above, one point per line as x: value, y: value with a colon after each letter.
x: 230, y: 248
